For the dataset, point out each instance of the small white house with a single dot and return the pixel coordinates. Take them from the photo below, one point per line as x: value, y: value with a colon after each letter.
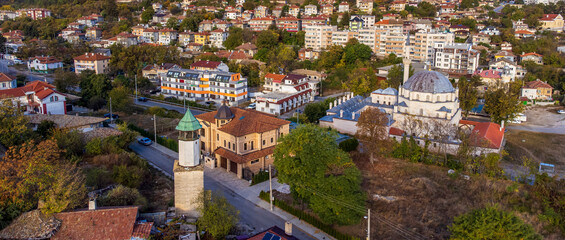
x: 44, y: 64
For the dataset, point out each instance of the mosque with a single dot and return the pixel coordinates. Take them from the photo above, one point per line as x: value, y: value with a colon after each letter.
x: 425, y: 106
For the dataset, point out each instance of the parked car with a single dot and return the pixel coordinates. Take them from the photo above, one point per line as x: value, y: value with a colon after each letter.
x: 210, y: 103
x: 252, y: 106
x: 114, y: 116
x: 561, y: 111
x: 144, y: 141
x: 142, y: 99
x: 155, y: 91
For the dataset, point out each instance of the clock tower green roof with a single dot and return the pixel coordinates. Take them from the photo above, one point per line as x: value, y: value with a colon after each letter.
x: 188, y: 123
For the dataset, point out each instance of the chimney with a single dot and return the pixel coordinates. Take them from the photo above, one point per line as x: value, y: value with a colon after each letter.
x: 340, y: 113
x: 353, y: 115
x: 501, y: 125
x: 92, y: 204
x: 331, y: 103
x: 288, y: 228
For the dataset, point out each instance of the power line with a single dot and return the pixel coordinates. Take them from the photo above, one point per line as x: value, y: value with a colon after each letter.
x: 406, y: 233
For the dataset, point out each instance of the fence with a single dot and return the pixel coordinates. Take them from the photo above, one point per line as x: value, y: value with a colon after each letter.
x: 166, y: 142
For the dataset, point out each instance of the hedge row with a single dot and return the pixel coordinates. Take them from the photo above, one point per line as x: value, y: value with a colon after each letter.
x: 168, y: 143
x: 307, y: 217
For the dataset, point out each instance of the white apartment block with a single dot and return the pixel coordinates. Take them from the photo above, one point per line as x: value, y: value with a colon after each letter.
x: 422, y: 44
x: 456, y: 57
x: 368, y: 20
x: 318, y: 37
x: 205, y: 85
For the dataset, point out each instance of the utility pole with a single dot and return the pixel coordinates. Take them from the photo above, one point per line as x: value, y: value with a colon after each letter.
x: 136, y: 88
x: 184, y: 103
x: 270, y: 188
x: 155, y: 126
x: 369, y: 224
x: 111, y: 115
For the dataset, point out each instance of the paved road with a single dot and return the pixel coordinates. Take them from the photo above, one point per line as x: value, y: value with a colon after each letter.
x: 249, y: 213
x: 150, y: 103
x: 30, y: 76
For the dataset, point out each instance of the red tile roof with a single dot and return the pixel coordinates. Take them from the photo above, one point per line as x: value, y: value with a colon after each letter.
x: 92, y: 57
x: 6, y: 78
x: 395, y: 131
x: 523, y: 32
x: 275, y: 77
x: 485, y: 134
x: 142, y: 230
x: 537, y: 84
x: 34, y: 86
x: 237, y: 158
x: 46, y: 60
x: 549, y: 17
x: 531, y: 54
x: 104, y: 223
x: 205, y: 64
x: 490, y: 74
x: 246, y: 121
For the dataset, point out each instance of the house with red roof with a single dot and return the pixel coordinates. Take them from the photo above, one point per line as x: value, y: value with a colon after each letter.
x: 536, y: 90
x: 533, y: 57
x: 7, y: 81
x: 210, y: 66
x: 96, y: 62
x: 37, y: 97
x: 524, y: 34
x: 486, y: 137
x: 552, y: 22
x: 284, y: 93
x: 489, y: 77
x: 275, y: 233
x: 44, y: 64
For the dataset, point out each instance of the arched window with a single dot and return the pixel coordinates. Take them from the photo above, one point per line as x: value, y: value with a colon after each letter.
x: 438, y: 99
x: 417, y: 96
x: 427, y: 98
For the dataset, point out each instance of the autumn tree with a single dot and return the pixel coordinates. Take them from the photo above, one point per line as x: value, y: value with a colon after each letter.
x: 372, y: 131
x: 235, y: 38
x: 267, y: 39
x: 218, y: 215
x: 361, y: 81
x: 13, y: 124
x: 502, y: 102
x: 121, y: 101
x: 468, y: 94
x: 320, y: 174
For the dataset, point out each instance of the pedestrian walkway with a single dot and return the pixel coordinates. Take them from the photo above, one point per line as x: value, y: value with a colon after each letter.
x: 251, y: 193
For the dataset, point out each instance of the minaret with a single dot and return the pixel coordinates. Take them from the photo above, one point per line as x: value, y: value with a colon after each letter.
x: 188, y: 169
x: 406, y: 61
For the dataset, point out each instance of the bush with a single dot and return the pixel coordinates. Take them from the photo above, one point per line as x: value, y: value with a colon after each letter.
x: 349, y: 145
x: 94, y: 147
x: 491, y: 223
x: 260, y: 177
x: 130, y: 176
x: 97, y: 178
x: 307, y: 217
x: 122, y: 196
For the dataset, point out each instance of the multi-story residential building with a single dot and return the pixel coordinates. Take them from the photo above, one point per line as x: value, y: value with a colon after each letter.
x: 34, y: 13
x: 7, y: 81
x: 247, y: 14
x: 491, y: 77
x: 43, y: 64
x: 77, y: 25
x: 205, y: 26
x: 456, y: 57
x: 423, y: 43
x: 519, y: 25
x: 328, y: 9
x: 261, y: 11
x: 355, y: 23
x: 91, y: 20
x: 490, y: 30
x: 205, y: 85
x: 277, y: 12
x: 505, y: 54
x: 365, y: 6
x: 536, y: 90
x: 368, y: 20
x: 285, y: 93
x: 552, y: 22
x: 224, y: 25
x: 167, y: 36
x: 290, y: 24
x: 6, y: 15
x: 509, y: 69
x: 150, y: 35
x: 241, y: 141
x: 232, y: 14
x: 533, y: 57
x: 125, y: 39
x: 93, y: 33
x: 343, y: 7
x: 318, y: 37
x: 92, y: 61
x: 202, y: 38
x: 294, y: 10
x: 37, y: 97
x: 341, y: 37
x: 261, y: 24
x: 138, y: 30
x: 217, y: 38
x: 310, y: 10
x: 480, y: 38
x: 312, y: 21
x: 398, y: 5
x: 308, y: 54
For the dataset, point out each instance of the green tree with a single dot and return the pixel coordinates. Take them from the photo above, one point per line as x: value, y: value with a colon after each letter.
x: 491, y: 223
x: 94, y: 85
x: 468, y: 4
x: 173, y: 23
x: 395, y: 75
x: 267, y: 39
x: 372, y: 128
x: 318, y: 172
x: 354, y: 51
x: 218, y: 215
x: 468, y: 94
x: 426, y: 9
x: 64, y: 81
x: 122, y: 196
x: 361, y: 82
x: 315, y: 111
x: 13, y: 124
x: 147, y: 15
x: 121, y: 101
x: 235, y: 38
x: 45, y: 128
x: 502, y: 103
x: 71, y: 141
x: 285, y: 57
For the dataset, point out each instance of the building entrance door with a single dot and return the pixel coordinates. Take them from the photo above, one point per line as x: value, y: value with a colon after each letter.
x: 233, y: 167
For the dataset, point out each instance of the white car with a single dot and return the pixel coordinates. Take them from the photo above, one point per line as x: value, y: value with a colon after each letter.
x: 252, y: 106
x: 561, y: 111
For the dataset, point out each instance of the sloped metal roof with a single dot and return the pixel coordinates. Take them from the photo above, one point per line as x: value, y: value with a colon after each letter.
x: 429, y: 82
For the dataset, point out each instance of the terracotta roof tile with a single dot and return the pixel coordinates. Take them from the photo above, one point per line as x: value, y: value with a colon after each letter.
x: 244, y: 158
x: 92, y: 57
x: 537, y: 84
x: 485, y: 134
x: 142, y: 230
x: 6, y: 78
x: 246, y: 121
x: 206, y: 64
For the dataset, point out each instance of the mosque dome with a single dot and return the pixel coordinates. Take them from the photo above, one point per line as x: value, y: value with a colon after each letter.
x: 224, y: 113
x: 429, y: 82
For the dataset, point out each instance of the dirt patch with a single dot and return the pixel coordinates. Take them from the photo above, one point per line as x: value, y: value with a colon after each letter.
x: 165, y: 126
x: 544, y: 116
x: 538, y: 147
